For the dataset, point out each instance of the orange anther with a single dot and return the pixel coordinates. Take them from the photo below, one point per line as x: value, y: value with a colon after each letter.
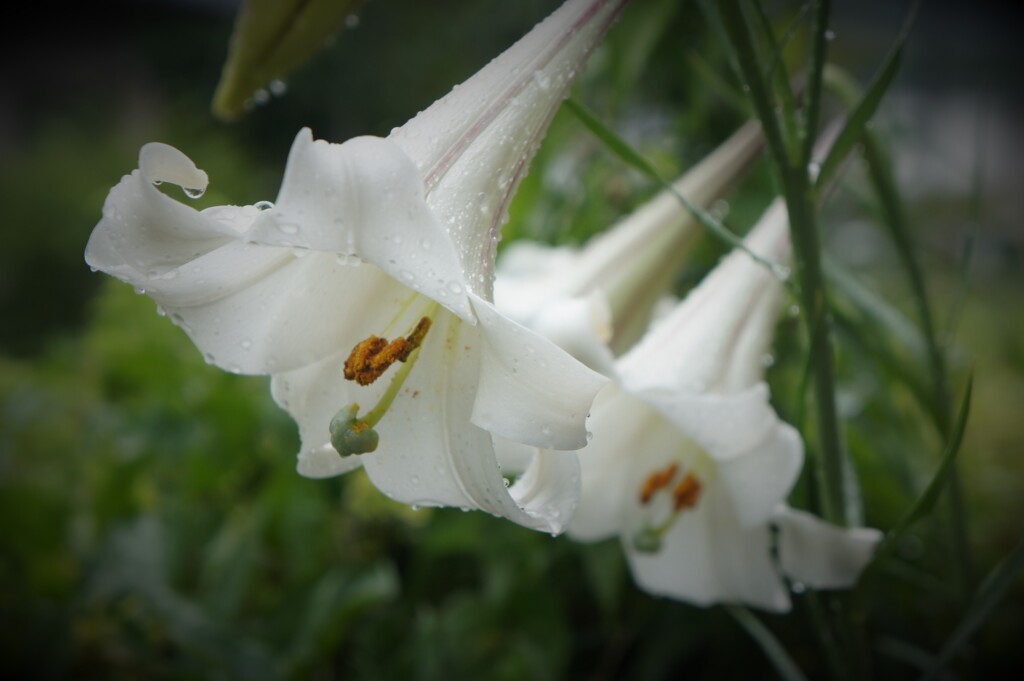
x: 686, y: 493
x: 371, y: 357
x: 656, y: 481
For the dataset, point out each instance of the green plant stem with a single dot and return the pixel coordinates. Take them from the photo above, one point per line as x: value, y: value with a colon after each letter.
x: 796, y: 187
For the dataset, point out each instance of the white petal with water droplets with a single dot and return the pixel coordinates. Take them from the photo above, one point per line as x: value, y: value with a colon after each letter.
x: 364, y: 197
x: 530, y: 390
x: 431, y: 455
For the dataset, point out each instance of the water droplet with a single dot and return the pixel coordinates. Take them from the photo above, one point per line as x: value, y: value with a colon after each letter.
x: 455, y: 287
x: 288, y: 227
x: 210, y: 359
x: 193, y: 192
x: 830, y: 35
x: 542, y: 79
x: 425, y: 244
x: 794, y: 310
x: 352, y: 21
x: 263, y: 205
x: 396, y: 239
x: 157, y: 183
x: 139, y: 290
x: 407, y: 275
x: 260, y: 97
x: 246, y: 343
x: 278, y: 87
x: 545, y: 429
x: 234, y: 369
x: 767, y: 360
x: 781, y: 272
x: 797, y: 587
x: 590, y: 436
x: 300, y: 251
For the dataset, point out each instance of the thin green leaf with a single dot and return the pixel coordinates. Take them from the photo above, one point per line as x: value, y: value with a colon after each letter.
x: 270, y: 39
x: 875, y: 307
x: 636, y: 160
x: 926, y: 502
x: 770, y: 645
x: 907, y: 653
x: 717, y: 83
x: 853, y: 129
x: 987, y: 597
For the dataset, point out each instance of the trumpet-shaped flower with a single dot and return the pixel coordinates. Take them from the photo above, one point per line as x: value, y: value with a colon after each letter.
x: 691, y: 466
x: 602, y: 295
x: 364, y: 290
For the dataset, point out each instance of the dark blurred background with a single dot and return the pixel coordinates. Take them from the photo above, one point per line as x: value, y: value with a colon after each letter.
x: 151, y: 522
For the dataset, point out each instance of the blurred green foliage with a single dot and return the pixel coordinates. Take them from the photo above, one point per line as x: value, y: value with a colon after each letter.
x: 151, y: 521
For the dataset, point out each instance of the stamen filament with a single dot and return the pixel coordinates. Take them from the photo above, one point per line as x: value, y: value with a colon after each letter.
x: 352, y: 434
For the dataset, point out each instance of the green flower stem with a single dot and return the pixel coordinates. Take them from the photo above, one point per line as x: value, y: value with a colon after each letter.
x: 796, y: 187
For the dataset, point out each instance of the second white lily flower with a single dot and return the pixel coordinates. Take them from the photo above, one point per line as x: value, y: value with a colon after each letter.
x: 691, y: 466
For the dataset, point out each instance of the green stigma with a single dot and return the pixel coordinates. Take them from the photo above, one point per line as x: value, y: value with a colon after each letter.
x: 351, y: 435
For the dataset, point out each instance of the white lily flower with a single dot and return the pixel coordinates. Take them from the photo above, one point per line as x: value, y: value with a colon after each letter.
x: 378, y: 239
x: 601, y: 296
x: 691, y: 466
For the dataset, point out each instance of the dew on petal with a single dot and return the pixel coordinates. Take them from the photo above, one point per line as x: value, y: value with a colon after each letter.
x: 263, y: 205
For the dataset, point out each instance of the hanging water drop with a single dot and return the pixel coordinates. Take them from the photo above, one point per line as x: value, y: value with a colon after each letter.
x: 193, y: 192
x: 781, y: 272
x: 263, y: 205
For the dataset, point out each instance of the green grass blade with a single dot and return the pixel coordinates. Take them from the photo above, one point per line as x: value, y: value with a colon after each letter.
x: 770, y: 645
x: 853, y: 129
x: 988, y: 596
x: 926, y: 502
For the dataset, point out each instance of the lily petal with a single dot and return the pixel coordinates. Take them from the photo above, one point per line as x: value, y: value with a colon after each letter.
x: 365, y: 197
x: 821, y: 555
x: 707, y: 557
x: 465, y: 151
x: 530, y: 390
x: 762, y: 477
x: 431, y: 455
x: 629, y: 437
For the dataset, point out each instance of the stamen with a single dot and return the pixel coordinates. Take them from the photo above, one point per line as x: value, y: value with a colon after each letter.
x: 686, y: 494
x: 656, y: 481
x: 371, y: 357
x: 352, y: 434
